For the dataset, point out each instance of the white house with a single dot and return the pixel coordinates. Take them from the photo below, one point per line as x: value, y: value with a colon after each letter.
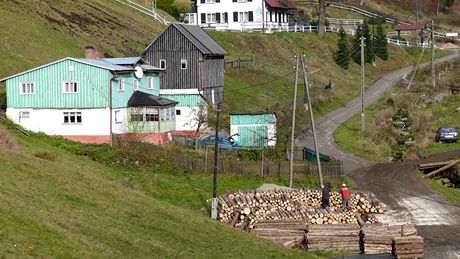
x: 241, y: 14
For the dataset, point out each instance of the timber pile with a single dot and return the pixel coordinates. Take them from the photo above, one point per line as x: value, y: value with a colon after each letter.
x: 408, y: 247
x: 343, y: 238
x: 378, y: 238
x: 286, y: 232
x: 243, y: 209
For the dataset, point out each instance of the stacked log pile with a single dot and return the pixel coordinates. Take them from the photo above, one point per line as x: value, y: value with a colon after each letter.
x: 408, y: 247
x: 243, y: 209
x: 378, y: 238
x: 343, y: 238
x: 285, y: 232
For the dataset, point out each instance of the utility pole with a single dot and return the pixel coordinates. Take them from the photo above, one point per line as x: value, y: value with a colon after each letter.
x: 214, y: 177
x: 363, y: 119
x: 291, y: 159
x: 433, y: 72
x: 308, y: 106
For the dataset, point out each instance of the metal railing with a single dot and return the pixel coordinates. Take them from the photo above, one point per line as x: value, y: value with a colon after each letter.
x: 337, y: 21
x: 145, y: 10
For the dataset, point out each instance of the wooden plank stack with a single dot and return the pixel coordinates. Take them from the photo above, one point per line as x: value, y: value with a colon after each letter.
x: 378, y: 238
x: 243, y: 209
x: 408, y: 247
x: 281, y: 231
x: 343, y: 238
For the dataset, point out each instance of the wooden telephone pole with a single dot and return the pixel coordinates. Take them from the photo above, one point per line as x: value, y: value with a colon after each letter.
x: 291, y: 158
x: 363, y: 118
x: 308, y: 106
x: 433, y: 72
x: 214, y: 176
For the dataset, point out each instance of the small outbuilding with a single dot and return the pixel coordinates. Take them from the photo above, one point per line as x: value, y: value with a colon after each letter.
x: 254, y: 129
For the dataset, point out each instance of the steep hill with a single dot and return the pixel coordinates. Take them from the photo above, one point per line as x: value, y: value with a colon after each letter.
x: 56, y: 204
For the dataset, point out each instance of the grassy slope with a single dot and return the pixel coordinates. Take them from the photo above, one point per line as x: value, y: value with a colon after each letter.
x: 74, y: 207
x: 451, y: 194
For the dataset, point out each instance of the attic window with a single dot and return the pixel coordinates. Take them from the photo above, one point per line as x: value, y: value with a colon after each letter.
x: 135, y: 84
x: 163, y: 63
x: 150, y: 82
x: 121, y: 85
x: 183, y: 64
x: 70, y: 87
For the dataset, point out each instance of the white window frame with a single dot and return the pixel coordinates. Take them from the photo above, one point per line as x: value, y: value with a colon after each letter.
x: 210, y: 1
x: 24, y: 114
x: 121, y: 85
x: 182, y: 63
x: 73, y: 114
x: 135, y: 84
x: 29, y: 86
x: 243, y: 16
x: 150, y: 82
x: 163, y: 63
x: 73, y: 85
x: 211, y: 18
x: 116, y: 115
x: 242, y: 1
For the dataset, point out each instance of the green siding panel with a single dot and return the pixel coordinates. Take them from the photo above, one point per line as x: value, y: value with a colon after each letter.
x: 120, y: 98
x: 250, y: 119
x: 93, y: 87
x: 253, y: 136
x: 184, y: 100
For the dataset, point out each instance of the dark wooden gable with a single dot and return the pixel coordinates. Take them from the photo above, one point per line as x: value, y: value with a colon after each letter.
x: 173, y: 47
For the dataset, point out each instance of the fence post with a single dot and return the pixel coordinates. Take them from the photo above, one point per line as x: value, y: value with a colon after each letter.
x: 309, y: 27
x: 238, y: 63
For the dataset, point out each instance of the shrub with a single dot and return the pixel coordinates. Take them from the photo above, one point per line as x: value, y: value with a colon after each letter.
x: 46, y: 156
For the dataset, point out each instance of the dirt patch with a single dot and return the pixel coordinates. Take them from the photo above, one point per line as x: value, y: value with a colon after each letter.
x: 409, y: 200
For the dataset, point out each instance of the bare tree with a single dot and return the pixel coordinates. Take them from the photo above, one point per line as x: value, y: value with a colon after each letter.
x: 199, y: 115
x: 322, y: 18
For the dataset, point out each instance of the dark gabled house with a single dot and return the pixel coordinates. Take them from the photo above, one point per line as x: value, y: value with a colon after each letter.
x: 194, y: 62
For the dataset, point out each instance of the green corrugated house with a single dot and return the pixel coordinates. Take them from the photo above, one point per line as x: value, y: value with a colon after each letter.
x: 92, y: 99
x: 254, y: 129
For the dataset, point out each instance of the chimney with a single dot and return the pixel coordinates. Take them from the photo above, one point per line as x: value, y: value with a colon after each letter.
x: 91, y: 52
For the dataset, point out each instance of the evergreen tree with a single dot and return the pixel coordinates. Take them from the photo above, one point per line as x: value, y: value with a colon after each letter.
x: 342, y: 56
x: 381, y: 43
x: 356, y: 51
x: 368, y: 49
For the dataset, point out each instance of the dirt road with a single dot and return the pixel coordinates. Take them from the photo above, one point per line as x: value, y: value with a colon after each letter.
x: 399, y: 185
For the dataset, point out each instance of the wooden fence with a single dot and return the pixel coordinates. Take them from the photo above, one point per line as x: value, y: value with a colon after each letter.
x: 240, y: 62
x: 333, y: 169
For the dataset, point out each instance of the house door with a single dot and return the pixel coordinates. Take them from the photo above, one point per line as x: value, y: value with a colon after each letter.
x: 253, y: 136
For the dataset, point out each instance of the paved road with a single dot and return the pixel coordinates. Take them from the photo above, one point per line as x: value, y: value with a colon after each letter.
x: 408, y: 199
x: 327, y: 125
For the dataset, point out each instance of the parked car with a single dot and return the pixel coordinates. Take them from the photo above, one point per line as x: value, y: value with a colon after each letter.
x: 222, y: 141
x: 446, y: 134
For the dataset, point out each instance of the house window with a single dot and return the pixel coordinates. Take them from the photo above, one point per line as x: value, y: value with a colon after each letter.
x: 137, y: 114
x: 117, y: 116
x: 151, y: 114
x: 24, y: 115
x: 183, y: 64
x: 163, y: 63
x: 135, y: 84
x: 211, y: 18
x: 72, y: 118
x: 178, y: 112
x: 243, y: 17
x: 150, y: 82
x: 70, y: 87
x: 173, y: 114
x: 28, y: 88
x: 210, y: 1
x: 121, y: 85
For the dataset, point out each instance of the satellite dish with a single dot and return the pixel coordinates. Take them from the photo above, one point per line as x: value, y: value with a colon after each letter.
x: 139, y: 72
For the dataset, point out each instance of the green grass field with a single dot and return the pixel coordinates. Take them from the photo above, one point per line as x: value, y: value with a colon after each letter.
x: 451, y: 194
x: 56, y: 204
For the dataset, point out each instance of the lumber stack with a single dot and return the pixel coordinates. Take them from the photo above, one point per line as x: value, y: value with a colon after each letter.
x: 291, y: 232
x: 243, y: 209
x: 408, y: 247
x: 343, y: 238
x: 378, y: 238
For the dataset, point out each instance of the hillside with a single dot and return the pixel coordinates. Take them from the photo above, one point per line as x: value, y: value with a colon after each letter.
x: 56, y: 204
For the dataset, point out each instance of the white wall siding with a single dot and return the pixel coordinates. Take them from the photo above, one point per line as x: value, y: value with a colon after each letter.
x: 120, y: 126
x: 95, y: 122
x: 187, y: 120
